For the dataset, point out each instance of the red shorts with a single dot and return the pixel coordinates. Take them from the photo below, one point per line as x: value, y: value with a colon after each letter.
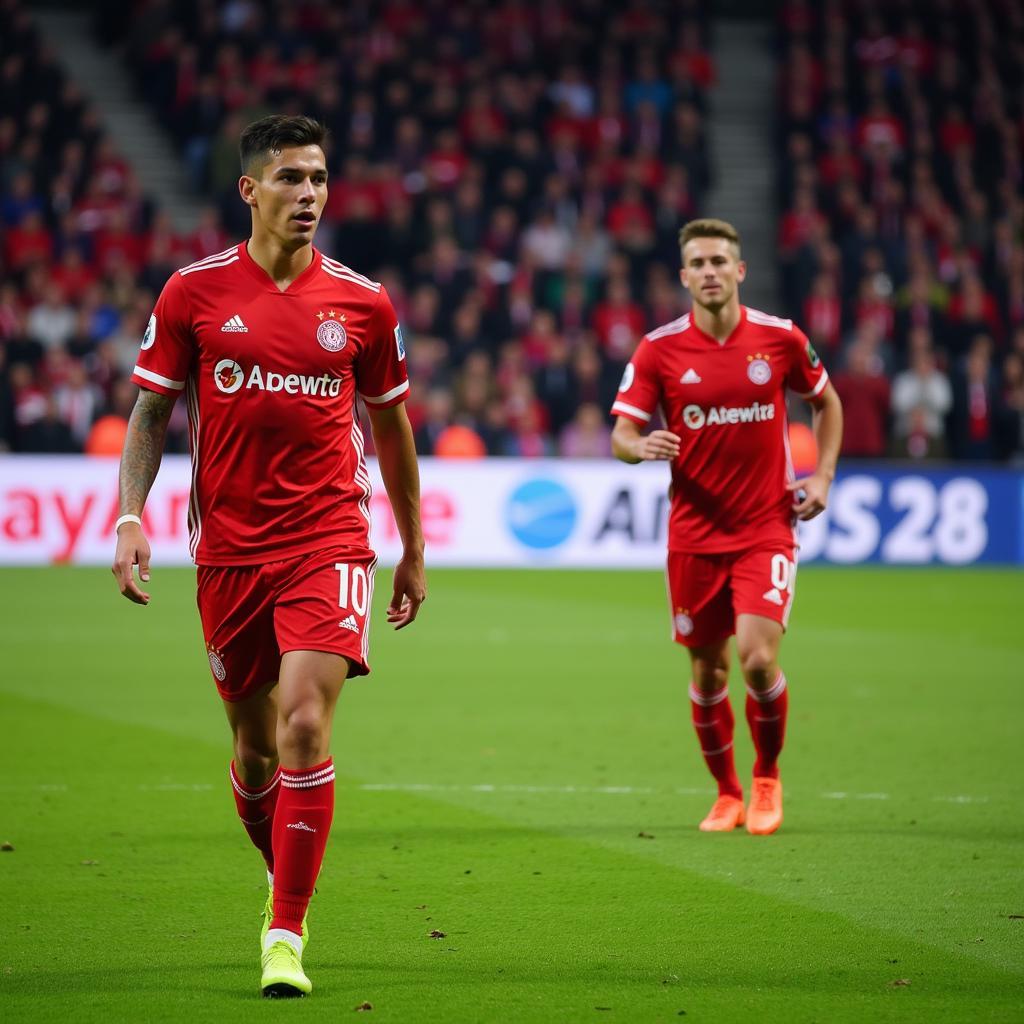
x: 252, y: 614
x: 707, y: 592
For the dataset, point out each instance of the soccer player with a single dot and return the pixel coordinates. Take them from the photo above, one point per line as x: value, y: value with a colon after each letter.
x: 271, y: 341
x: 719, y: 376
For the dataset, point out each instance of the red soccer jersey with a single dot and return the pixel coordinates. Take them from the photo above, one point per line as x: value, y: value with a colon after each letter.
x: 727, y: 403
x: 271, y: 379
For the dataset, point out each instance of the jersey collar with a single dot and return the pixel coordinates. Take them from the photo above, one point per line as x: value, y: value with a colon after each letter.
x: 711, y: 340
x: 264, y: 279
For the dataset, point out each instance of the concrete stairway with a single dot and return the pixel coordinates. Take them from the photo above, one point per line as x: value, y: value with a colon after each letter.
x: 135, y: 131
x: 742, y: 150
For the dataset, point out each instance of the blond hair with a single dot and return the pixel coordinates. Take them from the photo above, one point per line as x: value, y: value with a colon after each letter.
x: 709, y: 227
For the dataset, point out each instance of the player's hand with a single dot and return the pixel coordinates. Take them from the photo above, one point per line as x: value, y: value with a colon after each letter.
x: 658, y: 444
x: 410, y: 591
x: 132, y: 550
x: 810, y: 495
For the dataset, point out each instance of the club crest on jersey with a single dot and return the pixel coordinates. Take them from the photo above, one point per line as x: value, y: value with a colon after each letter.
x: 216, y: 663
x: 149, y: 338
x: 228, y: 376
x: 758, y: 369
x: 330, y: 332
x: 684, y: 624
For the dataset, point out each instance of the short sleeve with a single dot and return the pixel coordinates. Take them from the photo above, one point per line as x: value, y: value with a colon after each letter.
x: 167, y: 348
x: 380, y: 368
x: 640, y: 388
x: 806, y: 375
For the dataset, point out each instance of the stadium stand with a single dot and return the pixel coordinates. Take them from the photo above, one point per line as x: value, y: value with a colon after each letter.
x: 902, y: 224
x: 516, y: 175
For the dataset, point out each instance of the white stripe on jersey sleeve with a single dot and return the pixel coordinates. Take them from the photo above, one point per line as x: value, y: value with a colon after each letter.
x: 155, y: 378
x: 818, y: 388
x: 762, y: 319
x: 674, y: 327
x: 209, y: 266
x: 387, y: 396
x: 212, y: 257
x: 335, y: 265
x: 632, y: 410
x: 353, y: 278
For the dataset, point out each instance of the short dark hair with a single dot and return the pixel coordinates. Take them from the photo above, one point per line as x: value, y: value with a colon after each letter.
x: 269, y: 135
x: 709, y: 227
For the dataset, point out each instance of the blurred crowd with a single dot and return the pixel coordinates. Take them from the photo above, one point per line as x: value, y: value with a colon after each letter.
x: 516, y: 174
x: 901, y: 162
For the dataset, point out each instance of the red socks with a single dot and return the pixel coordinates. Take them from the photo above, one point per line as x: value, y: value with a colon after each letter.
x: 302, y: 822
x: 256, y: 809
x: 766, y: 715
x: 713, y: 720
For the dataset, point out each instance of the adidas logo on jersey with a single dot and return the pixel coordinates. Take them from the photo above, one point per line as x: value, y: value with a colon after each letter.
x: 690, y: 377
x: 349, y: 622
x: 235, y: 326
x: 773, y: 596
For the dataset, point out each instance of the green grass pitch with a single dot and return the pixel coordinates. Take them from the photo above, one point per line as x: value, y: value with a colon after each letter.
x: 520, y: 774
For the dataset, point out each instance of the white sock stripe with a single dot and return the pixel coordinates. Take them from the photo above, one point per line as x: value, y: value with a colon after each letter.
x: 287, y: 773
x: 771, y: 693
x: 308, y: 780
x: 310, y: 784
x: 708, y: 700
x: 252, y: 794
x: 720, y: 750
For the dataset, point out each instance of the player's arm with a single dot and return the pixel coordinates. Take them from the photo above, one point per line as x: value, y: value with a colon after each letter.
x: 629, y: 445
x: 827, y: 424
x: 396, y: 454
x: 140, y: 460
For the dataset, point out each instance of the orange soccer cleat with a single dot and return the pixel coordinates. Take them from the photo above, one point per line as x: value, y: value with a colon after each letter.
x: 764, y: 815
x: 724, y: 816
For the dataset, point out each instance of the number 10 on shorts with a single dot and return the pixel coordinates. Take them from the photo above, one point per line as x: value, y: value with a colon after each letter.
x: 353, y: 587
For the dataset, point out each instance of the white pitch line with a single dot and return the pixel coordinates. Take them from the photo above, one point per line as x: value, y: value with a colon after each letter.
x: 487, y: 787
x: 426, y: 787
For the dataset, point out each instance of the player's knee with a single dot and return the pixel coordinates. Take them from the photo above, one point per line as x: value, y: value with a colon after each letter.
x: 758, y: 662
x: 255, y: 761
x: 710, y: 676
x: 303, y: 731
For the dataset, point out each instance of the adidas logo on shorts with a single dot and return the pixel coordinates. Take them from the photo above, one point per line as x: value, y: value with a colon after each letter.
x: 349, y: 622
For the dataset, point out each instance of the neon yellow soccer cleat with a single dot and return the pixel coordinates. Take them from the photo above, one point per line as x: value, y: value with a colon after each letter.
x: 283, y: 977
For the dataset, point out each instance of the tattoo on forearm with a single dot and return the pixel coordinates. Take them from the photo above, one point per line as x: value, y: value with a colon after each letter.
x: 143, y: 448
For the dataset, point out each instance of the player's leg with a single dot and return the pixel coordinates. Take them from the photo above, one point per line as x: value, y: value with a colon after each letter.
x: 256, y: 781
x: 702, y: 622
x: 255, y: 778
x: 308, y: 689
x: 757, y: 642
x: 237, y: 611
x: 714, y: 724
x: 763, y: 585
x: 321, y: 626
x: 237, y: 615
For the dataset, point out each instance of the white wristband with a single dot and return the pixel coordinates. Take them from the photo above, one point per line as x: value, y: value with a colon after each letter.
x: 127, y: 519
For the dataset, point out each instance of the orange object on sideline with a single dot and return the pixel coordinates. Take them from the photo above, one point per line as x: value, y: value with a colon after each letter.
x: 106, y: 436
x: 459, y: 442
x: 803, y: 449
